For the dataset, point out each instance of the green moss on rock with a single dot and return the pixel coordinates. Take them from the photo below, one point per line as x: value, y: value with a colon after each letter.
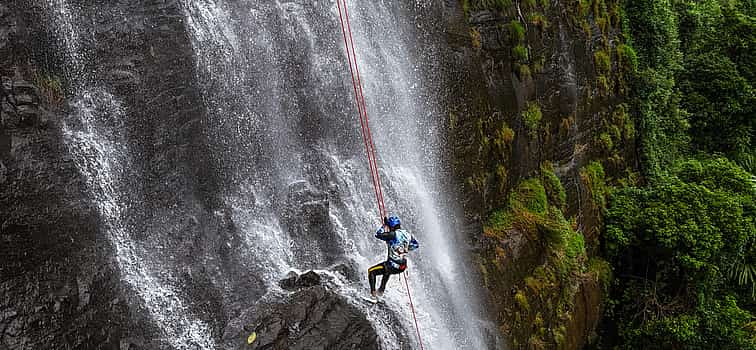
x: 553, y: 186
x: 516, y: 31
x: 531, y: 117
x: 529, y: 195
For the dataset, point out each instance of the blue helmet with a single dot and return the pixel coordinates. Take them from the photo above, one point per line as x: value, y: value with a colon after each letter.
x: 393, y: 221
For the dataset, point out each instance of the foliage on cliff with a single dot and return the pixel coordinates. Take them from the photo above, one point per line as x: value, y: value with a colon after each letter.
x: 544, y: 138
x: 544, y: 289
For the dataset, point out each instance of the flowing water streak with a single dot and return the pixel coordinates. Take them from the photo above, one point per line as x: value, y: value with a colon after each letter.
x: 237, y: 109
x: 92, y: 137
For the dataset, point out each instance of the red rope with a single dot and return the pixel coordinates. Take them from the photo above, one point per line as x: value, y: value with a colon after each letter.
x: 382, y: 207
x: 365, y: 128
x: 367, y: 137
x: 412, y: 307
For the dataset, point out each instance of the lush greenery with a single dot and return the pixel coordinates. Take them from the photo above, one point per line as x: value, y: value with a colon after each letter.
x: 683, y: 246
x: 694, y: 88
x: 718, y: 39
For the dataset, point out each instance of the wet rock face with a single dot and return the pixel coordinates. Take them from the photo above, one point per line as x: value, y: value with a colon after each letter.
x: 305, y: 216
x: 60, y: 285
x: 313, y: 318
x: 294, y: 281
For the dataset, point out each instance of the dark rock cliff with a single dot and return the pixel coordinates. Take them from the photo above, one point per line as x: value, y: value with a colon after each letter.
x: 538, y: 126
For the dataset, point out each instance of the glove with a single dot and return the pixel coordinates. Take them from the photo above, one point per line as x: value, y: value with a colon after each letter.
x: 379, y: 232
x: 414, y: 244
x: 385, y: 221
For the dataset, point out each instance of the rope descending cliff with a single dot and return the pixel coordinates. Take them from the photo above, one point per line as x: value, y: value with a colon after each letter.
x: 367, y: 137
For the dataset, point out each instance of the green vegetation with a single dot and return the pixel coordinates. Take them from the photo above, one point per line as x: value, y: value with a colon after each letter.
x: 50, y: 89
x: 683, y: 246
x: 592, y: 176
x: 516, y: 32
x: 627, y: 66
x: 522, y: 301
x: 475, y: 37
x: 627, y: 57
x: 531, y: 117
x: 602, y: 271
x: 488, y: 154
x: 533, y: 208
x: 662, y: 124
x: 523, y: 71
x: 603, y: 70
x: 553, y: 186
x: 538, y: 64
x: 716, y: 82
x: 605, y: 141
x: 503, y: 138
x: 501, y: 177
x: 603, y: 63
x: 520, y: 53
x: 530, y: 195
x: 668, y: 178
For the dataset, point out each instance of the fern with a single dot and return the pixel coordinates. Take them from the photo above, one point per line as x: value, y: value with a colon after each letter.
x: 744, y: 274
x: 747, y: 161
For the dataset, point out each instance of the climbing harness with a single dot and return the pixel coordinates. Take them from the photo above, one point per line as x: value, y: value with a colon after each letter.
x: 367, y: 137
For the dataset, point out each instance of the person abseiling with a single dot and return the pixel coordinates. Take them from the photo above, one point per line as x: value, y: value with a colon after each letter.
x: 399, y: 242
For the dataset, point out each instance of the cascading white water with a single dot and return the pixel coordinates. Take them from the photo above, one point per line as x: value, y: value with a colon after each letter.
x: 93, y: 133
x: 277, y: 88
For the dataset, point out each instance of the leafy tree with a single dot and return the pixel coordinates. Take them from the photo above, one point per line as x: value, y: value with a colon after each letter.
x: 672, y: 245
x: 716, y: 82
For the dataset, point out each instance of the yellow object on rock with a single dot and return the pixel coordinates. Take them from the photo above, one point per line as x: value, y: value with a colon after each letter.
x: 252, y: 338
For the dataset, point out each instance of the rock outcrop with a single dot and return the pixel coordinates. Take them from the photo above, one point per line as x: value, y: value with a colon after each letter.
x: 313, y: 317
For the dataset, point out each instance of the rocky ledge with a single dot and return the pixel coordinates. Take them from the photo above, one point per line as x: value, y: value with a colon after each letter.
x: 312, y: 317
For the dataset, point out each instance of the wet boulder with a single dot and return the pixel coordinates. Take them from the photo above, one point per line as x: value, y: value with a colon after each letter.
x: 312, y: 318
x: 349, y: 269
x: 295, y: 281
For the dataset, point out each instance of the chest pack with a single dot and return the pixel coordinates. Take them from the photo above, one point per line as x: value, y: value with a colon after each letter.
x: 399, y: 246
